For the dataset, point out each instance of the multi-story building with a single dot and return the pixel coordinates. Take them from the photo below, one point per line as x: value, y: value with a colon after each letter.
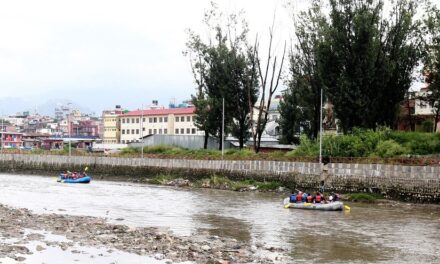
x: 171, y: 121
x: 11, y: 140
x: 111, y: 126
x: 87, y: 128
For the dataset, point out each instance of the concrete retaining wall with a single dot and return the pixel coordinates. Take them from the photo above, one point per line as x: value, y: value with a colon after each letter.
x: 415, y: 183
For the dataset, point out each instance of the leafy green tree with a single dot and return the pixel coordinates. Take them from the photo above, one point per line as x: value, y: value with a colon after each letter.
x: 368, y: 58
x: 432, y: 60
x: 244, y: 94
x: 301, y: 108
x: 223, y: 71
x: 289, y: 117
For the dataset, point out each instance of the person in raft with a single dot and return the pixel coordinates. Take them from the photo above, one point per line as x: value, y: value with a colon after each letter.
x: 304, y: 197
x: 334, y: 197
x: 292, y: 198
x: 319, y: 198
x: 299, y: 197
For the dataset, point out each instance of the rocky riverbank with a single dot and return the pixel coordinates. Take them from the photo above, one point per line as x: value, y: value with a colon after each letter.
x: 97, y: 232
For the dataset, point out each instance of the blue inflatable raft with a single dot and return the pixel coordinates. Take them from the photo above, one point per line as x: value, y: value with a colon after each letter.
x: 85, y: 179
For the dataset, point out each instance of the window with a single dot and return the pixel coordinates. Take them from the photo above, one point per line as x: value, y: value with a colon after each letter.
x: 150, y: 120
x: 128, y: 120
x: 128, y: 131
x: 143, y: 129
x: 155, y: 131
x: 150, y: 131
x: 160, y: 130
x: 182, y: 131
x: 132, y: 131
x: 165, y: 119
x: 137, y: 131
x: 123, y: 131
x: 177, y: 119
x: 155, y: 120
x: 165, y: 131
x: 177, y: 131
x: 193, y: 118
x: 123, y: 120
x: 188, y: 119
x: 193, y: 131
x: 160, y: 119
x: 132, y: 120
x: 143, y: 119
x: 137, y: 120
x: 188, y: 131
x: 123, y: 141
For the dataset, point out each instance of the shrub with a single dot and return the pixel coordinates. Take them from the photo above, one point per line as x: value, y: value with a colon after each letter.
x: 389, y: 148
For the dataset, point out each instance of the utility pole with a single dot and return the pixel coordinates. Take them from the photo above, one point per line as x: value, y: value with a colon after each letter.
x: 70, y: 135
x: 223, y: 127
x: 320, y: 131
x: 142, y: 131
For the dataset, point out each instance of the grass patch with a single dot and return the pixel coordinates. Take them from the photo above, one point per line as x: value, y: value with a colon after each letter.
x: 221, y: 182
x: 162, y: 179
x: 364, y: 197
x: 268, y: 186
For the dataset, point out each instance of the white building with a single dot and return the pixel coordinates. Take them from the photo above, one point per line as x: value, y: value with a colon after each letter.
x: 422, y: 107
x: 170, y: 121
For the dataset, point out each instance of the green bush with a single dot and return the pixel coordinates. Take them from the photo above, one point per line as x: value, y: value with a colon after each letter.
x: 369, y: 143
x: 389, y: 148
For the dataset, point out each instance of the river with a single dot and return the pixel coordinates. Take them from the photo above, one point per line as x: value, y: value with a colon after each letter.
x: 385, y: 233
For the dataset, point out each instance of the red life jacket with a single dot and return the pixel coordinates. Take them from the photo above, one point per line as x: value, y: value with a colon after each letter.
x: 299, y: 198
x: 309, y: 199
x: 318, y: 198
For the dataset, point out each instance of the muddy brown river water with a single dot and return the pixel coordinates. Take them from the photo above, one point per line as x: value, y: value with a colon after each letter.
x: 369, y: 233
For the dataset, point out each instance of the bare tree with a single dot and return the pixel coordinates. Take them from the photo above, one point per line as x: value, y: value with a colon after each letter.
x: 269, y: 76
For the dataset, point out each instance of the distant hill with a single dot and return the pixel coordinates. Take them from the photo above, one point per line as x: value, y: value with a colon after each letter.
x: 10, y: 105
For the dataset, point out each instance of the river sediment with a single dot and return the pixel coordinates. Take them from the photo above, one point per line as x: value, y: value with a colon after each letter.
x: 97, y: 232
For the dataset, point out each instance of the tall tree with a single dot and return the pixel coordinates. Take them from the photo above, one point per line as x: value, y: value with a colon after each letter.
x: 269, y: 75
x: 301, y: 108
x: 245, y: 94
x: 223, y: 71
x: 432, y: 60
x: 368, y: 59
x: 290, y: 115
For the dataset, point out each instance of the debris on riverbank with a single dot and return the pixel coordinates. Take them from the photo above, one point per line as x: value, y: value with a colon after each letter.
x: 218, y: 182
x: 96, y: 232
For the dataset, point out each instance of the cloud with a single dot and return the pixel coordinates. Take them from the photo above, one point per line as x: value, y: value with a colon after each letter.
x: 122, y: 52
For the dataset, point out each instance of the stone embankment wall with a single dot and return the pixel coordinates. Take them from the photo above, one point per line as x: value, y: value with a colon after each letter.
x: 411, y: 183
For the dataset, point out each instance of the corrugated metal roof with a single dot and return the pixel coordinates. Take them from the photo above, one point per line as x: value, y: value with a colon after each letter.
x: 167, y: 111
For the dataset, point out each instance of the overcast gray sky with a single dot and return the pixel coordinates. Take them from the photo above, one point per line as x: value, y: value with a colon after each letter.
x: 99, y: 53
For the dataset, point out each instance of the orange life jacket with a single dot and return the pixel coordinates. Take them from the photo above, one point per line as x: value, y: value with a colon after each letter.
x: 318, y: 198
x: 299, y: 198
x: 309, y: 199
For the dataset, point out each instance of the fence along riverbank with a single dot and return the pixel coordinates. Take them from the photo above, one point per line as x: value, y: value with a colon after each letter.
x: 408, y: 183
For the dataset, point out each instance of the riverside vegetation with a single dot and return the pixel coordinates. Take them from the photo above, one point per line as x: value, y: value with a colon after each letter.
x: 373, y: 146
x: 223, y: 183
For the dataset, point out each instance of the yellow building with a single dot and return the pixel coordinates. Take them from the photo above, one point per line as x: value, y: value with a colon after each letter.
x: 172, y: 121
x: 111, y: 133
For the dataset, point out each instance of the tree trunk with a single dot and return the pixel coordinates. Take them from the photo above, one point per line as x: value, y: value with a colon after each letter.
x: 437, y: 114
x: 205, y: 143
x: 220, y: 141
x: 241, y: 141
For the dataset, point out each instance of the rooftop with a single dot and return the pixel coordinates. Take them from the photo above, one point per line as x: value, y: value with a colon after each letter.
x: 167, y: 111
